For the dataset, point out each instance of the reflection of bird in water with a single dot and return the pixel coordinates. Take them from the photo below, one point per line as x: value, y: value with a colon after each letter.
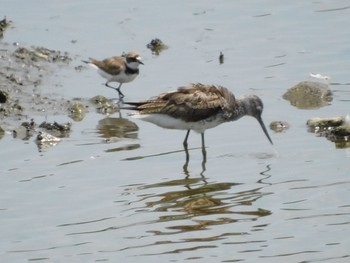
x: 216, y: 203
x: 198, y: 107
x: 203, y: 203
x: 195, y: 198
x: 323, y: 78
x: 117, y: 128
x: 121, y: 69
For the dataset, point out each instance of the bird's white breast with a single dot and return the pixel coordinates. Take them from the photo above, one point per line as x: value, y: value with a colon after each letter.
x: 169, y: 122
x: 121, y: 77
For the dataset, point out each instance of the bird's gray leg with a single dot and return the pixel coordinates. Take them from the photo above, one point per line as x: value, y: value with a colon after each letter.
x: 204, y: 155
x: 185, y: 141
x: 185, y: 166
x: 121, y: 95
x: 203, y: 148
x: 187, y: 154
x: 107, y: 85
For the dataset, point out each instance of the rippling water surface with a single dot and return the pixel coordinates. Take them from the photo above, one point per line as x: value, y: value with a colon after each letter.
x: 135, y: 198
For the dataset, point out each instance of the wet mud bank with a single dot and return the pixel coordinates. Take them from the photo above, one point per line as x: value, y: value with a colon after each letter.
x: 23, y: 75
x: 22, y: 71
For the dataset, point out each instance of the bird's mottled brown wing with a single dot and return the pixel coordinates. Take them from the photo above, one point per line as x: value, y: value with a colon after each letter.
x: 113, y: 65
x: 193, y: 103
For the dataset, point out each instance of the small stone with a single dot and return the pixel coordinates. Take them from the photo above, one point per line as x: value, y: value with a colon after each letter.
x: 309, y: 95
x: 279, y: 126
x: 156, y: 46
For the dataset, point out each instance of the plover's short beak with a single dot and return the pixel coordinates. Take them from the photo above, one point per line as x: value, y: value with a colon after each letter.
x: 139, y: 60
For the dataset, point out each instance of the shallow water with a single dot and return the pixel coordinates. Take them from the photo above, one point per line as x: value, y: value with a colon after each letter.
x: 86, y: 200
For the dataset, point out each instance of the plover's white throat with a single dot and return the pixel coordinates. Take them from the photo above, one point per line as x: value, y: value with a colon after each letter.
x: 198, y: 107
x: 122, y: 69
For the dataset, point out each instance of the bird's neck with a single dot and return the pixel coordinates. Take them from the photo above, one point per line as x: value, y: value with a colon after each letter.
x: 236, y: 111
x: 130, y: 68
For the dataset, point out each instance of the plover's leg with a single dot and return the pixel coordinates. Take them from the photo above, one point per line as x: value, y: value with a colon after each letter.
x: 121, y: 95
x: 107, y: 85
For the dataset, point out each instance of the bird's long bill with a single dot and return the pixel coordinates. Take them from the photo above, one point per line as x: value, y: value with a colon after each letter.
x: 264, y: 129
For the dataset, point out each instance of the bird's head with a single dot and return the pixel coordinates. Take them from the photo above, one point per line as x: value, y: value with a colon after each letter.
x: 133, y: 59
x: 253, y: 106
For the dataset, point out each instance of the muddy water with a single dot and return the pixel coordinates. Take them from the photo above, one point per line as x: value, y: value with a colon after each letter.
x: 107, y: 193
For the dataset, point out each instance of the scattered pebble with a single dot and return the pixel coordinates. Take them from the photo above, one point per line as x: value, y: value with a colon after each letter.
x: 335, y: 129
x: 156, y: 46
x: 309, y: 95
x: 221, y: 58
x: 45, y: 140
x: 4, y: 23
x: 2, y: 132
x: 4, y: 96
x: 57, y: 129
x: 104, y: 105
x: 279, y: 126
x: 25, y: 131
x: 318, y: 124
x: 77, y: 111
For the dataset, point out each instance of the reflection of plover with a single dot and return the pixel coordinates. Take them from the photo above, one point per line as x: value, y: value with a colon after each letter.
x: 198, y: 107
x: 121, y: 69
x: 318, y: 76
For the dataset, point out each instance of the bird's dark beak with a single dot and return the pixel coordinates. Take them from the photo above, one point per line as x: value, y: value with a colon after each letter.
x: 264, y: 128
x: 139, y: 60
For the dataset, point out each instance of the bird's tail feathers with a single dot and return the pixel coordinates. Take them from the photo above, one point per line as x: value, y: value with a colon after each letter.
x: 90, y: 61
x: 86, y: 61
x: 130, y: 105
